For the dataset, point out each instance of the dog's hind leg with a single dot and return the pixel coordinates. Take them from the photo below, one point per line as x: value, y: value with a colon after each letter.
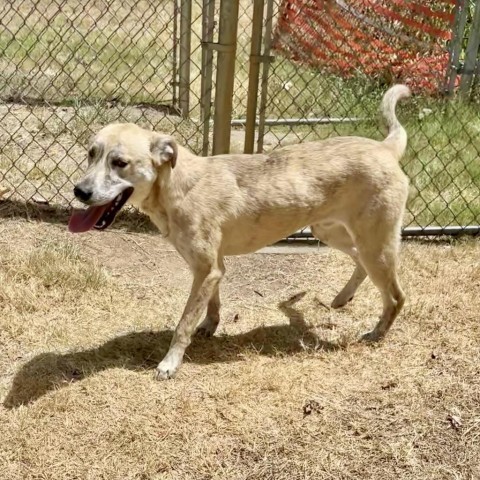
x: 337, y: 236
x: 209, y: 325
x: 379, y: 257
x: 348, y: 291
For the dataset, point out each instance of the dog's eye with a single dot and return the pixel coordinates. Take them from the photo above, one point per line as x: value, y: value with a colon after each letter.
x: 117, y: 162
x: 91, y: 153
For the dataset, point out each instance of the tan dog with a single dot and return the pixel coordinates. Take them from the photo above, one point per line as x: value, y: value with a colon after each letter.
x: 351, y: 191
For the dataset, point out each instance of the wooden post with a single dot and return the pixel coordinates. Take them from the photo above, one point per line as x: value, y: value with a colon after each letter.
x: 185, y: 51
x: 472, y: 53
x: 461, y: 9
x: 253, y: 74
x: 207, y: 71
x: 226, y: 47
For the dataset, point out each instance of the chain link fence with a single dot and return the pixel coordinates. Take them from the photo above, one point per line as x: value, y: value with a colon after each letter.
x: 66, y: 69
x: 326, y: 65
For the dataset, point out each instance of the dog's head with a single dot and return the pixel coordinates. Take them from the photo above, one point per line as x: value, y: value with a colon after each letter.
x: 124, y: 161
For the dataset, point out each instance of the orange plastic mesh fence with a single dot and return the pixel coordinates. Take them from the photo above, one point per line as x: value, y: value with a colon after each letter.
x: 395, y: 40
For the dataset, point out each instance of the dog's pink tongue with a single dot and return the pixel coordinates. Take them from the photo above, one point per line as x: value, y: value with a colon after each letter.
x: 84, y: 220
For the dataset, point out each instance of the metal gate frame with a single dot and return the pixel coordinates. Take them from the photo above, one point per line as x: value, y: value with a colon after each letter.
x: 225, y: 49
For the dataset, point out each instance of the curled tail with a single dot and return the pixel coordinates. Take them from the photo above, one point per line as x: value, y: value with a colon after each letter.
x: 397, y: 136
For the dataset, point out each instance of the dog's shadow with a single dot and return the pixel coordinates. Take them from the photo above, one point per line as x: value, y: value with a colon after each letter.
x: 144, y: 350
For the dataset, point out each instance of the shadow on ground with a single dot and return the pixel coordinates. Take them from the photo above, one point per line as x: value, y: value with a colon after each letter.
x: 144, y: 350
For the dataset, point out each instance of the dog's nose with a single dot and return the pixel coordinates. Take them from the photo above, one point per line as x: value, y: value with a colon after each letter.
x: 82, y: 193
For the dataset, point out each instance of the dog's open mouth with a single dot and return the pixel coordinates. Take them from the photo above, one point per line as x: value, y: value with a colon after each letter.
x: 99, y: 217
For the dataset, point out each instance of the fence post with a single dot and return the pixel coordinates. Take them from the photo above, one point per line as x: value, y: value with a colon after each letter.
x: 185, y: 50
x: 267, y: 43
x: 208, y: 13
x: 461, y: 9
x: 471, y: 53
x: 174, y: 53
x: 227, y: 43
x: 253, y: 74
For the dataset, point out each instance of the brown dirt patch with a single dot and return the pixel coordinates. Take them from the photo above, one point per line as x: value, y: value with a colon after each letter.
x: 283, y: 391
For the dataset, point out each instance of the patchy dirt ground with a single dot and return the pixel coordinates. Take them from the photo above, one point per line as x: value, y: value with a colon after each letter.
x: 283, y: 391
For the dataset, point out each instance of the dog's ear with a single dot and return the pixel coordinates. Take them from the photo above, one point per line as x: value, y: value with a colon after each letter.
x: 163, y: 149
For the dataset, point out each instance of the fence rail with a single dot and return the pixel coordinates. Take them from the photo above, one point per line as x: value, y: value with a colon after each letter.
x: 303, y: 70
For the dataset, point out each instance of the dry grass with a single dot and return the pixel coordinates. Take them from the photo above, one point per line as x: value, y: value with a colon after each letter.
x: 97, y: 60
x: 85, y: 319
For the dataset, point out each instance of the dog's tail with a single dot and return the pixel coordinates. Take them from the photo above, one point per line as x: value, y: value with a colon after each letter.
x: 397, y: 136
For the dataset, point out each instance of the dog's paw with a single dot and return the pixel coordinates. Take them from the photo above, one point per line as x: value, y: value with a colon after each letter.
x: 204, y: 332
x: 340, y: 301
x: 207, y: 328
x: 372, y: 337
x: 165, y: 371
x: 161, y: 374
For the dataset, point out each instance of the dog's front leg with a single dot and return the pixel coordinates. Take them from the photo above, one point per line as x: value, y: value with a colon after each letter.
x: 205, y: 283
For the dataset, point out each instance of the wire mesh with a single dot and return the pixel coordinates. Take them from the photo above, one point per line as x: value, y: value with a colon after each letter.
x: 334, y: 60
x: 68, y: 68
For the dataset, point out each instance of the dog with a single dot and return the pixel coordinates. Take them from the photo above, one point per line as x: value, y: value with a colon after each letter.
x: 350, y: 190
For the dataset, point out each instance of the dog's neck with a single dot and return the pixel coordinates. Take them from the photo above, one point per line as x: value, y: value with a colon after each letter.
x: 169, y: 189
x: 175, y: 183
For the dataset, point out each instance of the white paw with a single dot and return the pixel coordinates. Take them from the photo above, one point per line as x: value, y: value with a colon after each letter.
x: 166, y: 369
